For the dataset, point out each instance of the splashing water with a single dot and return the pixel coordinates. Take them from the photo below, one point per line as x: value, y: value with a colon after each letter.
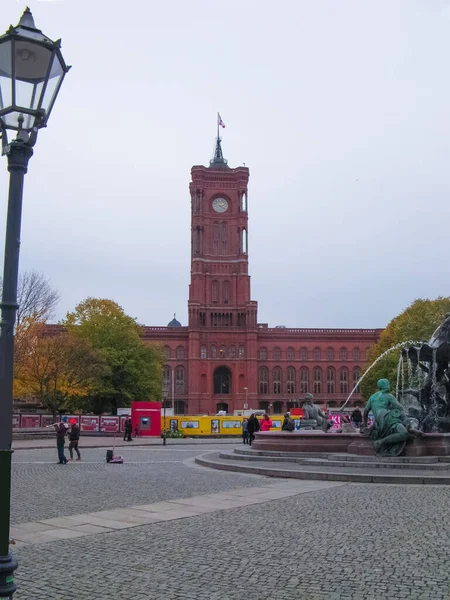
x: 399, y: 370
x: 396, y: 347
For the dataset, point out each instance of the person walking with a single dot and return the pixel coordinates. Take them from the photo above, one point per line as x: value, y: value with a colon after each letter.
x: 128, y: 430
x: 357, y: 417
x: 61, y: 431
x: 266, y: 423
x: 252, y: 428
x: 74, y: 437
x: 245, y: 431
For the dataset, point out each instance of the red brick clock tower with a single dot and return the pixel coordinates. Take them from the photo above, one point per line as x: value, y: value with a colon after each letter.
x: 222, y: 318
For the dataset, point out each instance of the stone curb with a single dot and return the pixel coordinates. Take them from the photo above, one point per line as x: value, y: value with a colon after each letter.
x: 207, y: 460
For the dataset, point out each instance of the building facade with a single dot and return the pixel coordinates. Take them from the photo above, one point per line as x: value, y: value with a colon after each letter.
x: 224, y: 359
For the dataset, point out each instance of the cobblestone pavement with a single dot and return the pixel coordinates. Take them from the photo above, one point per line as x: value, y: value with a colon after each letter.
x: 352, y: 542
x: 43, y: 489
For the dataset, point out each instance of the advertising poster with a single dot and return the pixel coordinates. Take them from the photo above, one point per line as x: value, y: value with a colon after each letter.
x: 231, y: 424
x: 89, y: 423
x: 173, y: 425
x: 109, y: 424
x: 46, y: 420
x: 123, y: 420
x: 16, y: 421
x: 30, y: 421
x: 189, y: 424
x: 215, y: 426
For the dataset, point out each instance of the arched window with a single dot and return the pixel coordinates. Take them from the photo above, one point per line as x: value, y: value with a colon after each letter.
x: 291, y: 380
x: 276, y: 373
x: 290, y: 354
x: 241, y: 352
x: 244, y: 242
x: 222, y: 352
x: 203, y: 352
x: 356, y: 354
x: 356, y: 376
x: 167, y: 353
x: 232, y: 351
x: 216, y: 238
x: 226, y: 288
x: 331, y: 378
x: 263, y: 380
x: 344, y: 380
x: 343, y: 353
x: 304, y: 380
x: 303, y: 354
x: 263, y: 354
x: 166, y: 379
x: 213, y: 351
x: 276, y: 354
x: 316, y: 354
x: 330, y: 354
x: 179, y: 380
x: 180, y: 353
x: 317, y: 384
x: 367, y: 353
x: 223, y: 238
x: 215, y: 291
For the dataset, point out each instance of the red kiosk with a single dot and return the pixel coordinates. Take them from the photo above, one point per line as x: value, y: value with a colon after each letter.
x: 146, y: 416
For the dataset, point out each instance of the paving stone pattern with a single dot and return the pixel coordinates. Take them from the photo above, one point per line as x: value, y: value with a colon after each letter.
x: 349, y: 542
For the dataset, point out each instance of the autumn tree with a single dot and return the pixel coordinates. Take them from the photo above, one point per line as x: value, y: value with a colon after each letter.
x: 416, y: 323
x: 35, y: 296
x: 135, y: 369
x: 56, y: 369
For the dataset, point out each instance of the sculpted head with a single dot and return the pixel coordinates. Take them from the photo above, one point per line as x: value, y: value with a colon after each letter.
x: 383, y: 385
x: 309, y: 398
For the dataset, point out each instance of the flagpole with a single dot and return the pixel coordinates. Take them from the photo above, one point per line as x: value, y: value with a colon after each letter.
x: 217, y: 125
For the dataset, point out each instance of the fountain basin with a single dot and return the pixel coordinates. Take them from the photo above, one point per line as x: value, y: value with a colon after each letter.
x: 429, y: 444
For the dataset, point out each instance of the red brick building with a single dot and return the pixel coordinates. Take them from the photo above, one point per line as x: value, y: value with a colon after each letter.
x: 224, y: 359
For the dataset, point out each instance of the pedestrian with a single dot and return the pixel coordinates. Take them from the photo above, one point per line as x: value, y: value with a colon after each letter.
x: 128, y: 430
x: 61, y: 431
x: 288, y: 423
x: 245, y: 431
x: 266, y: 423
x: 357, y: 417
x: 252, y: 428
x: 74, y: 437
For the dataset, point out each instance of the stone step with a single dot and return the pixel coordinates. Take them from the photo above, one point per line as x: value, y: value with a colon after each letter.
x: 344, y: 456
x: 323, y: 461
x: 299, y: 471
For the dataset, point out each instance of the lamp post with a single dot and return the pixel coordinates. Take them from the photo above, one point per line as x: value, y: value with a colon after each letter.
x: 32, y: 70
x: 246, y: 397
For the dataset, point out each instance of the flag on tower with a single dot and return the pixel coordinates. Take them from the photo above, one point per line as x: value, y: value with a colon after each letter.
x: 219, y: 120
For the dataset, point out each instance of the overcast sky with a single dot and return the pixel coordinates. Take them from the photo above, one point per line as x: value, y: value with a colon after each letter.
x: 340, y: 108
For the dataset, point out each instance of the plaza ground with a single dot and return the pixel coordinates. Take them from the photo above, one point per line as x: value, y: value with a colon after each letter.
x: 194, y: 533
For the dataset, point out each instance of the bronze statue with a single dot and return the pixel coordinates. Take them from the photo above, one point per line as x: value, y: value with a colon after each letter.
x: 314, y: 413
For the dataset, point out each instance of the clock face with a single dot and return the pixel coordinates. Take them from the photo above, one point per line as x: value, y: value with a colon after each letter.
x: 220, y: 205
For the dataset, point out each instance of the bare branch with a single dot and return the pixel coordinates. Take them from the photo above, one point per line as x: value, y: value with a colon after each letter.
x: 35, y: 296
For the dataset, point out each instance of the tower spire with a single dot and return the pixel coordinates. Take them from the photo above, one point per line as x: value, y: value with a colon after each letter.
x: 218, y: 161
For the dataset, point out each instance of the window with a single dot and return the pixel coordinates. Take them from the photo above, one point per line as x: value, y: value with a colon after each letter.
x: 331, y: 378
x: 179, y: 380
x: 203, y: 352
x: 180, y: 353
x: 241, y: 352
x: 216, y: 238
x: 223, y: 352
x: 344, y: 380
x: 356, y: 354
x: 232, y: 351
x: 304, y: 380
x: 213, y: 351
x: 166, y: 379
x: 263, y: 354
x: 223, y: 238
x: 330, y: 354
x: 291, y: 380
x: 276, y: 354
x: 263, y: 380
x: 276, y: 380
x: 303, y: 354
x: 290, y: 354
x: 316, y: 354
x: 356, y: 376
x: 226, y: 292
x: 215, y: 291
x: 343, y: 354
x: 317, y: 386
x: 167, y: 352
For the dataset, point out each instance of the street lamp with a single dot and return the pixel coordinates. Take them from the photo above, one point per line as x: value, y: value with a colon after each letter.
x: 246, y: 397
x: 32, y: 70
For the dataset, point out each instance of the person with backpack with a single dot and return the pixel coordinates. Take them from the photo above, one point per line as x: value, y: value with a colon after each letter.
x: 288, y: 423
x: 252, y: 428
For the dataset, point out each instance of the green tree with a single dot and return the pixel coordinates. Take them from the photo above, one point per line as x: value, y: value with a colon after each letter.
x: 417, y: 323
x: 135, y: 369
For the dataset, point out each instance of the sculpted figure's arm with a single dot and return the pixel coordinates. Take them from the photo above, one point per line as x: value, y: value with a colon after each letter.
x: 366, y: 413
x: 394, y: 402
